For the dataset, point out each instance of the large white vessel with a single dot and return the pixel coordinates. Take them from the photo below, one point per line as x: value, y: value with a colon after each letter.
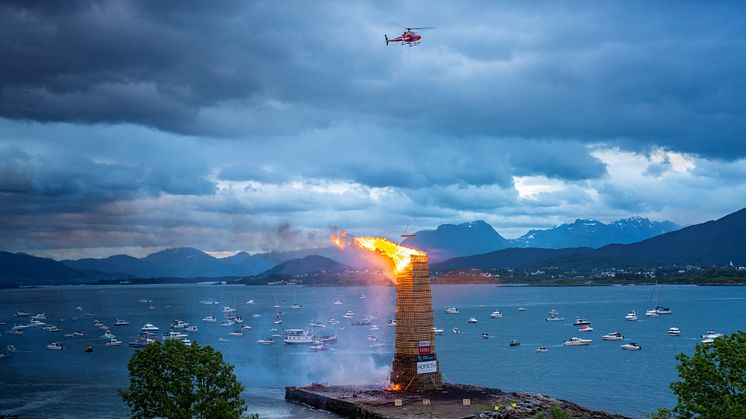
x: 452, y: 310
x: 577, y: 342
x: 631, y: 316
x: 613, y: 336
x: 298, y: 336
x: 149, y: 327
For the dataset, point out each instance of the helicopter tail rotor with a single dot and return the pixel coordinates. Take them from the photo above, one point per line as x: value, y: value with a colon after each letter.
x: 387, y: 39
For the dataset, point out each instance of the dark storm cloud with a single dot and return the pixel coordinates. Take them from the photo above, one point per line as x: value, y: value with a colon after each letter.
x: 638, y: 75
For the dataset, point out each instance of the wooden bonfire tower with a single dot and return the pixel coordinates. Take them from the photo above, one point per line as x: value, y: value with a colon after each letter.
x: 415, y: 366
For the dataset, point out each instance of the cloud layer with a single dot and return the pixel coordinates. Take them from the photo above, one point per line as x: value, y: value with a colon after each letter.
x: 128, y: 125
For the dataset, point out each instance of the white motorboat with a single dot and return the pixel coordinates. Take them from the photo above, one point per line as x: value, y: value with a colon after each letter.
x: 316, y: 324
x: 55, y: 346
x: 149, y: 327
x: 236, y: 333
x: 437, y: 331
x: 209, y: 301
x: 108, y: 335
x: 40, y: 316
x: 585, y: 328
x: 256, y: 315
x: 673, y: 331
x: 121, y: 323
x: 227, y: 323
x: 298, y: 336
x: 173, y: 335
x: 577, y: 342
x: 662, y: 310
x: 209, y: 319
x: 710, y: 337
x: 554, y: 318
x: 632, y: 346
x: 178, y: 324
x: 452, y: 310
x: 20, y: 313
x: 186, y: 342
x: 19, y: 327
x: 251, y: 301
x: 224, y: 340
x: 54, y: 329
x: 277, y: 320
x: 113, y: 342
x: 472, y: 320
x: 542, y: 349
x: 391, y: 323
x: 337, y: 303
x: 631, y: 316
x: 580, y: 322
x: 612, y: 336
x: 192, y: 328
x: 78, y: 333
x: 265, y: 341
x: 246, y: 327
x: 228, y: 310
x: 36, y: 323
x: 651, y: 313
x: 456, y: 330
x: 349, y: 315
x: 496, y: 315
x: 78, y: 308
x: 522, y: 309
x: 14, y: 332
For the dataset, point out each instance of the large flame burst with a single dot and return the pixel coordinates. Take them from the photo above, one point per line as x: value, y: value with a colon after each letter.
x: 400, y: 255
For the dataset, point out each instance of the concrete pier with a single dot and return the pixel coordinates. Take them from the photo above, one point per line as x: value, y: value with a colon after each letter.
x: 448, y: 401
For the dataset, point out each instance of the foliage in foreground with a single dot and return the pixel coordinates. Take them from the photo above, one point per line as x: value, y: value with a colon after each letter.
x: 713, y: 381
x: 178, y: 381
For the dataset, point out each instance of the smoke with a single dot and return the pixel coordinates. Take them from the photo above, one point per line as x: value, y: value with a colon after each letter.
x: 286, y: 237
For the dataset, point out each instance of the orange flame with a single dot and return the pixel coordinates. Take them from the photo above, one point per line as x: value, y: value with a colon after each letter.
x: 394, y: 387
x: 400, y: 255
x: 339, y: 239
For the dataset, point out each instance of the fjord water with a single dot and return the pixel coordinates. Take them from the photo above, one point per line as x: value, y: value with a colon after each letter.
x: 36, y: 382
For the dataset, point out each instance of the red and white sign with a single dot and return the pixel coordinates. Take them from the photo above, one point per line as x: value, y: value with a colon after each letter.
x: 425, y: 350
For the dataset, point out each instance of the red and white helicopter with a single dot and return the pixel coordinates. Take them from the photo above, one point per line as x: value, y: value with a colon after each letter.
x: 409, y: 37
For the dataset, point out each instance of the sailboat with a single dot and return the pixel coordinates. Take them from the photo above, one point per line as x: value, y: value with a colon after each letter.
x: 295, y: 302
x: 658, y: 310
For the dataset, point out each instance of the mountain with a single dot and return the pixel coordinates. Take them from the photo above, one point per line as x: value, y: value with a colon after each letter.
x: 718, y: 242
x: 179, y: 262
x: 19, y: 269
x: 595, y: 234
x: 452, y: 240
x: 306, y: 265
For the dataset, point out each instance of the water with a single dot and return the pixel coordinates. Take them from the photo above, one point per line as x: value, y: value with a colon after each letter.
x: 36, y: 382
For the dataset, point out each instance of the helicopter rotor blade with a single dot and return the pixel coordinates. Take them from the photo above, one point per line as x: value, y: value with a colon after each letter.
x: 421, y: 28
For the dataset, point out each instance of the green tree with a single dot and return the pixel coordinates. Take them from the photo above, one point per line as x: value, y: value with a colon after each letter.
x: 713, y: 380
x: 174, y: 380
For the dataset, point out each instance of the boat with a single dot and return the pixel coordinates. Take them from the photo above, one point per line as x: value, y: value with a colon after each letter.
x: 55, y: 346
x: 631, y: 316
x: 362, y: 296
x: 485, y: 335
x: 192, y: 328
x: 472, y: 320
x: 651, y: 313
x: 554, y: 318
x: 298, y: 336
x: 452, y: 310
x: 54, y: 329
x: 522, y: 309
x: 224, y: 340
x: 496, y: 315
x: 277, y: 320
x: 317, y: 348
x: 373, y: 328
x: 577, y: 342
x: 246, y: 327
x: 14, y: 332
x: 227, y: 323
x: 186, y: 342
x: 365, y: 321
x: 89, y: 348
x: 36, y: 323
x: 148, y: 327
x: 113, y: 342
x: 585, y: 328
x: 108, y: 335
x: 663, y: 310
x: 250, y: 301
x: 514, y: 342
x: 121, y: 323
x: 228, y: 309
x: 391, y: 322
x: 173, y: 335
x: 209, y: 319
x: 437, y: 331
x: 256, y: 315
x: 710, y: 337
x: 40, y: 316
x: 542, y: 349
x: 329, y: 339
x: 333, y: 321
x: 632, y: 346
x: 143, y: 340
x: 151, y: 307
x: 456, y: 330
x: 296, y: 306
x: 316, y: 324
x: 178, y: 324
x: 580, y: 322
x: 337, y: 303
x: 265, y: 341
x: 79, y: 308
x: 673, y: 331
x: 350, y: 314
x: 612, y: 336
x: 236, y: 333
x: 20, y: 313
x: 78, y: 333
x: 553, y: 312
x: 209, y: 301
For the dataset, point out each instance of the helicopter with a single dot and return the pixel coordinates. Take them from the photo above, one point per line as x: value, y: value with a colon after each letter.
x: 409, y: 37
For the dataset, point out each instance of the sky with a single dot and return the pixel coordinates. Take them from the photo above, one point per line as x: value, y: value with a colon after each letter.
x: 133, y: 126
